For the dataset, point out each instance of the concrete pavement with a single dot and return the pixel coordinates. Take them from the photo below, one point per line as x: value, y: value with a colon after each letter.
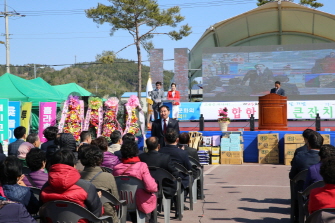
x: 248, y: 193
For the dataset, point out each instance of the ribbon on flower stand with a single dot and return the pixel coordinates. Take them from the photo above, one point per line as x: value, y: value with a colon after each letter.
x: 132, y: 125
x: 73, y: 113
x: 110, y: 122
x: 94, y: 115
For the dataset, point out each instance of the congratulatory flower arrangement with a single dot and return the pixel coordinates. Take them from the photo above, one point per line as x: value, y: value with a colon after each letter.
x: 223, y: 113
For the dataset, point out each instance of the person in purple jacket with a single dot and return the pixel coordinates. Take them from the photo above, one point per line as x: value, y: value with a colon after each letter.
x: 14, y: 212
x: 313, y: 174
x: 36, y: 160
x: 110, y: 160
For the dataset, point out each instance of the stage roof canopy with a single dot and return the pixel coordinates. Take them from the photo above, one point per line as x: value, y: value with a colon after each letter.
x: 274, y: 23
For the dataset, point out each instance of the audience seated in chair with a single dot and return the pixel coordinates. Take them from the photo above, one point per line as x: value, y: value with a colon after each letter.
x: 177, y: 155
x: 85, y: 138
x: 156, y: 159
x: 323, y: 197
x: 91, y: 157
x: 11, y: 181
x: 303, y: 160
x: 116, y: 141
x: 36, y: 161
x: 14, y: 212
x: 33, y: 140
x: 109, y: 159
x: 64, y: 183
x: 313, y: 174
x: 132, y: 166
x: 305, y: 134
x: 20, y: 135
x: 50, y: 133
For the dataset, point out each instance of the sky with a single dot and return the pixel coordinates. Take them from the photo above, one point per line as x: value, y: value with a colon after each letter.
x: 58, y: 32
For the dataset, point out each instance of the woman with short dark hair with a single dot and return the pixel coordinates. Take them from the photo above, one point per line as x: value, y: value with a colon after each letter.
x: 109, y: 159
x: 91, y: 157
x: 36, y: 161
x: 10, y: 178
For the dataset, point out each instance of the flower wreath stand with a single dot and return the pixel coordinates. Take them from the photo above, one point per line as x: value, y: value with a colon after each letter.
x: 94, y: 116
x: 72, y: 117
x: 110, y: 122
x: 134, y: 123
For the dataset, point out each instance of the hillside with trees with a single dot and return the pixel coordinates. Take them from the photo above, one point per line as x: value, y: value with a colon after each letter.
x: 100, y: 79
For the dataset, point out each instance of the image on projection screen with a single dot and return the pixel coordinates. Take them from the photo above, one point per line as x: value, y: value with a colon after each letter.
x: 306, y: 72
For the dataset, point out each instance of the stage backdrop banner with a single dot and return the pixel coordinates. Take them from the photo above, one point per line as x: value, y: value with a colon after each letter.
x: 4, y: 124
x: 189, y: 111
x: 25, y: 115
x: 14, y: 112
x: 295, y: 109
x: 47, y: 117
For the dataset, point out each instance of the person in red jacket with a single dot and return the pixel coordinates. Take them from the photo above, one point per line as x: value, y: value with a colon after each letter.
x: 174, y: 96
x: 323, y: 197
x: 64, y: 183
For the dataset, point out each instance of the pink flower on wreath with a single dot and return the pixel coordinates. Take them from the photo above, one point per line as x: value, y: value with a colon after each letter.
x: 112, y: 102
x: 133, y: 101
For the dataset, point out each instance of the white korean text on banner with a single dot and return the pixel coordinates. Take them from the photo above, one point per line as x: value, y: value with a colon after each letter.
x: 47, y: 117
x: 295, y: 109
x: 4, y: 124
x: 14, y: 113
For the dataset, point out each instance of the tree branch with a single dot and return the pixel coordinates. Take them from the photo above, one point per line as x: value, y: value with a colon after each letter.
x: 125, y: 48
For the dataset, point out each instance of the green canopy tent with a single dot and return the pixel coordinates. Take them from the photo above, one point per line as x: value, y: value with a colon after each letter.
x: 46, y: 86
x: 18, y: 89
x: 72, y: 89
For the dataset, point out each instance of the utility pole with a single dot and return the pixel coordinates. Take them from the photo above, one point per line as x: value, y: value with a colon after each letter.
x: 6, y: 14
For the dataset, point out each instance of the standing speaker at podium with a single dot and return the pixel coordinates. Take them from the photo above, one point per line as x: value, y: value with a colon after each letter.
x: 277, y: 89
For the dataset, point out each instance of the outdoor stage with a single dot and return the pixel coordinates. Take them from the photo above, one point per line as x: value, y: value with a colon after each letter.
x: 250, y: 137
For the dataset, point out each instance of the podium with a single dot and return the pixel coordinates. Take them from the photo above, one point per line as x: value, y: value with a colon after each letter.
x: 272, y: 110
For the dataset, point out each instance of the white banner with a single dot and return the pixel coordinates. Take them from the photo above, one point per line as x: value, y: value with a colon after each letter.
x: 295, y: 109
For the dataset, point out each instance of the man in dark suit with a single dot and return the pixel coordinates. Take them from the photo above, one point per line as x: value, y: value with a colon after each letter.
x: 303, y: 160
x: 161, y: 160
x: 277, y: 89
x: 259, y: 79
x: 20, y: 135
x: 159, y: 126
x: 177, y: 155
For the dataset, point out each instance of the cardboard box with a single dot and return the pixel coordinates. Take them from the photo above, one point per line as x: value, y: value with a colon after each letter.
x: 269, y: 160
x: 326, y: 138
x: 228, y: 154
x: 231, y: 160
x: 294, y: 138
x: 267, y: 137
x: 225, y: 160
x: 225, y: 141
x: 287, y: 162
x: 269, y: 152
x: 215, y: 160
x: 265, y: 145
x: 236, y: 161
x: 216, y: 151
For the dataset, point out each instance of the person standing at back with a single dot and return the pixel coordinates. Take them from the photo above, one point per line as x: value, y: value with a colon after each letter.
x: 174, y: 95
x: 20, y: 135
x: 157, y: 95
x: 277, y: 89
